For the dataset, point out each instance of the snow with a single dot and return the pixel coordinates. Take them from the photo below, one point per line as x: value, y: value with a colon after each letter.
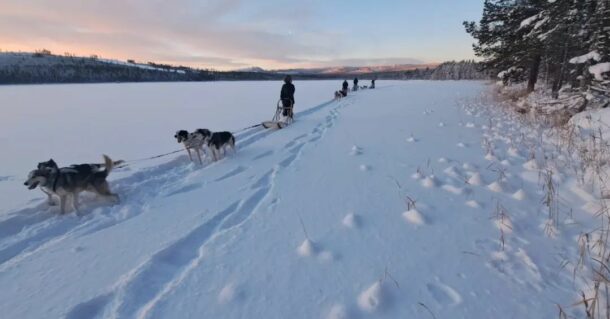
x: 529, y: 21
x: 429, y: 181
x: 504, y: 224
x: 125, y: 121
x: 337, y: 312
x: 520, y: 195
x: 417, y: 175
x: 599, y: 69
x: 371, y: 298
x: 531, y: 165
x: 355, y: 150
x: 414, y: 217
x: 473, y: 204
x: 289, y: 226
x: 491, y: 157
x: 453, y: 189
x: 593, y: 55
x: 541, y: 23
x: 513, y: 151
x: 227, y: 294
x: 496, y: 187
x: 307, y: 248
x: 476, y: 179
x: 364, y: 167
x: 593, y: 120
x: 141, y: 66
x: 350, y: 220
